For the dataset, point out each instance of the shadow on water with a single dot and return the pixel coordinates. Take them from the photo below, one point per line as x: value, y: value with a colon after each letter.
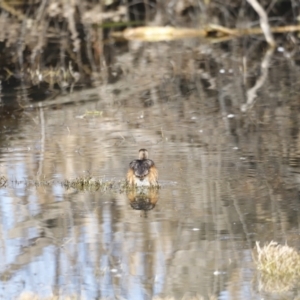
x: 223, y: 129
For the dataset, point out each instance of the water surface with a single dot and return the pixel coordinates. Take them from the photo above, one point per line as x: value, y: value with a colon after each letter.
x: 229, y: 178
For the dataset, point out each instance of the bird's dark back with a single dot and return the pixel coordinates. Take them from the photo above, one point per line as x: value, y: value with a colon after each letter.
x: 141, y: 166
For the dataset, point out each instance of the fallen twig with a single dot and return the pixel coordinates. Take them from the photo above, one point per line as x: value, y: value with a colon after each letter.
x: 212, y: 32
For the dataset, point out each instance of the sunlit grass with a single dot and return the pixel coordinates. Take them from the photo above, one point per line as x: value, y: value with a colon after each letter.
x: 279, y: 266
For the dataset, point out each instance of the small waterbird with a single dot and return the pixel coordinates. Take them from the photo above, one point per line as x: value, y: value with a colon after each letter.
x: 142, y: 171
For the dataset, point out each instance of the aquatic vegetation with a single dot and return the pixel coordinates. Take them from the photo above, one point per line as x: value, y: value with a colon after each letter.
x: 91, y: 184
x: 279, y: 266
x: 83, y: 183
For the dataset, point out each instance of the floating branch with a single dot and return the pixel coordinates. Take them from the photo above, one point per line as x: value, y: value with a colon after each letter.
x: 156, y: 34
x: 212, y: 32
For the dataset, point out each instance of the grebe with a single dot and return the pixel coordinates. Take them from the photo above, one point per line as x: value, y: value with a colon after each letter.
x: 142, y: 171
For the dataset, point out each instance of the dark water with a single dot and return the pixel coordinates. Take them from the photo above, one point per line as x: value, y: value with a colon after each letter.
x: 229, y: 178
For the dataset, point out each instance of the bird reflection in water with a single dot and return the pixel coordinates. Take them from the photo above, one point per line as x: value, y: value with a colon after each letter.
x: 143, y: 200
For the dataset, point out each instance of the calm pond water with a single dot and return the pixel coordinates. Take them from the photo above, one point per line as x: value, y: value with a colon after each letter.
x: 229, y: 178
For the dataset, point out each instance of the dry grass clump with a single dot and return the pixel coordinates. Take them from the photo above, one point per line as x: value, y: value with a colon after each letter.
x: 276, y: 259
x: 83, y: 183
x: 91, y: 184
x: 279, y: 266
